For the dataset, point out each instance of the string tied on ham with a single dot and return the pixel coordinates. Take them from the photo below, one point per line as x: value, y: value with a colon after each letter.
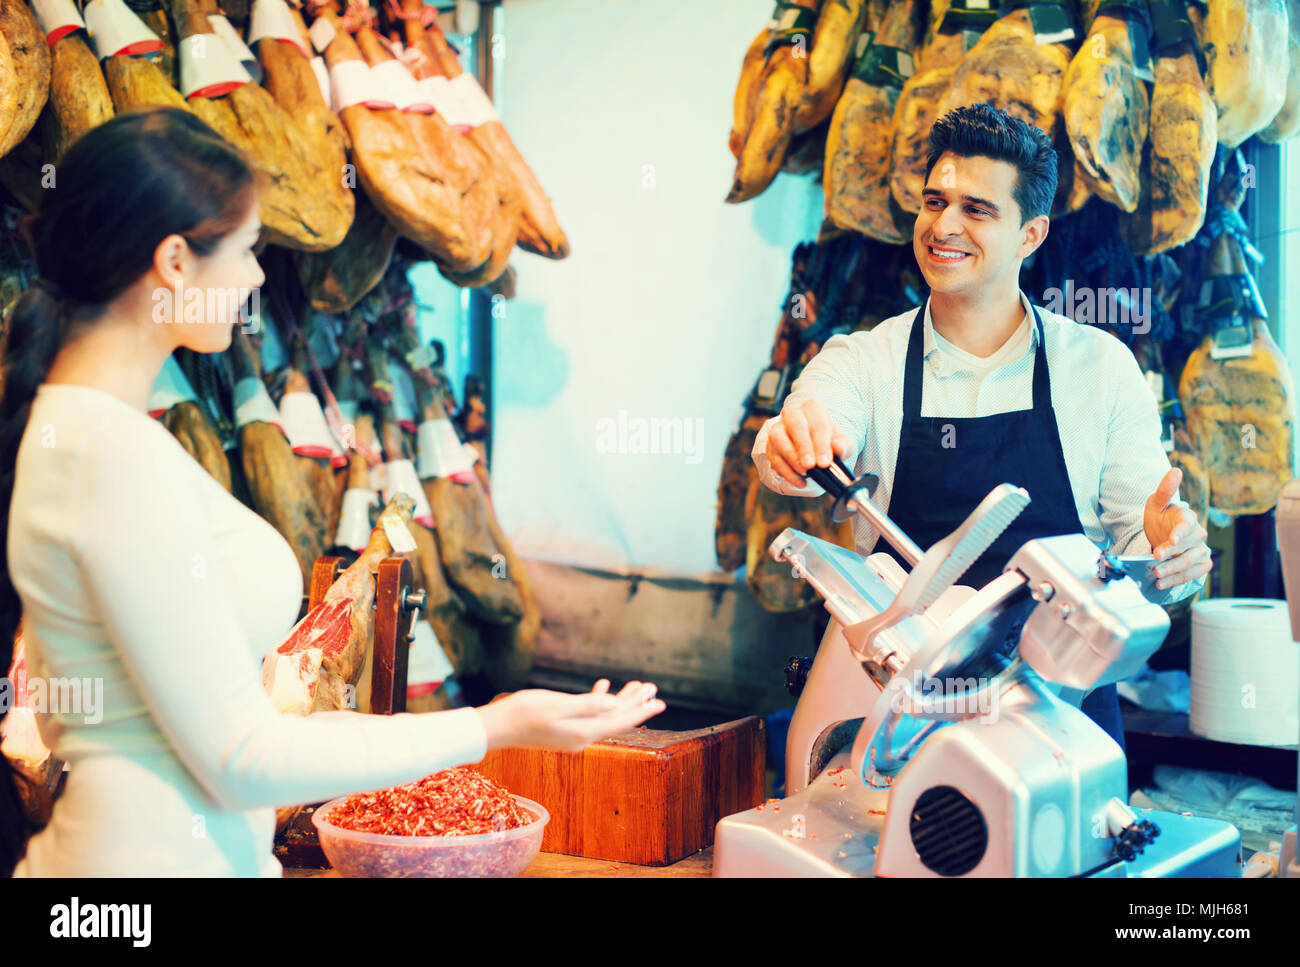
x: 289, y: 312
x: 358, y: 14
x: 427, y: 15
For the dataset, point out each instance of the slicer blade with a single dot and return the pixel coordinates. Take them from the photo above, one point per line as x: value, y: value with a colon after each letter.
x: 952, y: 556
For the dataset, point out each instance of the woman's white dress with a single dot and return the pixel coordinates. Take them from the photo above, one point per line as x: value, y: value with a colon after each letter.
x: 144, y: 579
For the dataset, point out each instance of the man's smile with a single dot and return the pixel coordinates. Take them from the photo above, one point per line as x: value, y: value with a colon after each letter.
x: 947, y: 255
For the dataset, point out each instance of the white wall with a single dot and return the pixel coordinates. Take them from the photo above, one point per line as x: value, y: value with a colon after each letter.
x: 1289, y: 331
x: 667, y: 306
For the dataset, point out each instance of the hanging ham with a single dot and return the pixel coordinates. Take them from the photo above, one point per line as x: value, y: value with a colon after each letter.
x: 24, y: 72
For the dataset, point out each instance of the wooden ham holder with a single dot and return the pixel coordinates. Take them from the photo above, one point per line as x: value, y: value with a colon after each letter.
x: 397, y: 605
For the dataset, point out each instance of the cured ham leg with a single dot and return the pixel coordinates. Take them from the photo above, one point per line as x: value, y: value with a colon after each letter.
x: 315, y: 667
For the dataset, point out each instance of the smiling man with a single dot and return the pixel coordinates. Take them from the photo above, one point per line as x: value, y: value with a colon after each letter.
x: 978, y: 387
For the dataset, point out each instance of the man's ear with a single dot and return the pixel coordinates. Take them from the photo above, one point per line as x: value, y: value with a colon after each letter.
x: 1032, y: 235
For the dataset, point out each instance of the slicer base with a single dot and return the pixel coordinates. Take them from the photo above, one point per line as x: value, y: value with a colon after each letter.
x: 842, y: 827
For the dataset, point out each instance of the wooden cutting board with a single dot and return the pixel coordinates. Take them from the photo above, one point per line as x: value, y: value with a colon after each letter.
x: 646, y: 797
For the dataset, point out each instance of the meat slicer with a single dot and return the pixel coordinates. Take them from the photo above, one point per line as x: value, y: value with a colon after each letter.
x: 938, y: 732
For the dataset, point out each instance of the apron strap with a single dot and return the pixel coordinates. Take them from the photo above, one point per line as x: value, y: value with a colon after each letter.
x: 1042, y: 382
x: 912, y: 365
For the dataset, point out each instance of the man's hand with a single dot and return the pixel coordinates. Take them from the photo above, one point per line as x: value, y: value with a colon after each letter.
x: 801, y: 439
x: 1177, y: 540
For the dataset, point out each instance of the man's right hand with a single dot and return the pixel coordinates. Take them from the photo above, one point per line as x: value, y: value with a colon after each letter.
x: 802, y: 438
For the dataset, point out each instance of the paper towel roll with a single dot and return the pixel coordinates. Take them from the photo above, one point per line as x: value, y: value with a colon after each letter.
x: 1245, y: 672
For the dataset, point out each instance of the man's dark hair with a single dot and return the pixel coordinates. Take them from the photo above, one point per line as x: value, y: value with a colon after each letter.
x: 986, y: 131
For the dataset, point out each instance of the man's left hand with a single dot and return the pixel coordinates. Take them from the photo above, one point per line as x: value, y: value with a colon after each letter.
x: 1177, y: 538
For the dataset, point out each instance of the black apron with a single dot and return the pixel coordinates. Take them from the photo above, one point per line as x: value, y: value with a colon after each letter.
x: 947, y: 465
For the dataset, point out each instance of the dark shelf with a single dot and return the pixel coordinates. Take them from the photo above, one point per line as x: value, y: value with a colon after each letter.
x: 1165, y: 738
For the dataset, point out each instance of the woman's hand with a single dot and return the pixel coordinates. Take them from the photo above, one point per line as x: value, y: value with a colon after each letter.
x: 569, y: 723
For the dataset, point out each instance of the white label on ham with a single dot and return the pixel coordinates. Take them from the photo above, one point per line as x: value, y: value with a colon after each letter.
x: 397, y: 82
x: 437, y: 91
x: 235, y: 43
x: 304, y: 424
x: 209, y: 68
x: 321, y: 33
x: 476, y: 105
x: 323, y: 80
x: 399, y: 476
x: 354, y: 518
x: 253, y: 404
x: 441, y: 452
x: 115, y: 29
x: 57, y: 18
x: 352, y: 82
x: 271, y: 18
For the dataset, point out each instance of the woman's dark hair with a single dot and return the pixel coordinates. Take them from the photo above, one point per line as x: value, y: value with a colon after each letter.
x: 982, y: 130
x: 118, y: 191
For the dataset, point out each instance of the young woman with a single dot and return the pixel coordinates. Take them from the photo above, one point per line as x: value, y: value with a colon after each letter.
x: 131, y: 566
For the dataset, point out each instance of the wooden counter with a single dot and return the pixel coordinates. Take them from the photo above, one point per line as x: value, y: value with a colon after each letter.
x: 558, y: 865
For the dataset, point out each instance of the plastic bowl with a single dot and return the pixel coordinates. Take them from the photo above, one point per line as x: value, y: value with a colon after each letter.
x: 506, y: 853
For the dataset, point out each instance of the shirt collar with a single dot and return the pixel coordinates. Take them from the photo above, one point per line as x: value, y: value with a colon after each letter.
x: 930, y: 348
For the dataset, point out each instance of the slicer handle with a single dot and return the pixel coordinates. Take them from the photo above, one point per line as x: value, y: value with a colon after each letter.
x: 826, y: 480
x: 852, y: 495
x: 825, y: 477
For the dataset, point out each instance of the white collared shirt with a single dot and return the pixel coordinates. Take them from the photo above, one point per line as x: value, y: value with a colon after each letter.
x: 1106, y: 415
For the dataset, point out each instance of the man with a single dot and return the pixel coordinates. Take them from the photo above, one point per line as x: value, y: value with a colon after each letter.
x: 978, y: 387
